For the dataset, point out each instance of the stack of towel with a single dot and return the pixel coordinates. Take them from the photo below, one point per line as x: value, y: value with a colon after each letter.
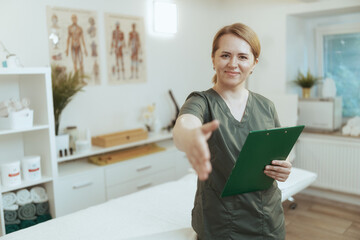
x: 25, y: 208
x: 352, y: 127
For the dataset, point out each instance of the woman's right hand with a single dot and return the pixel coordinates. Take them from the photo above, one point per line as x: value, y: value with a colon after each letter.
x: 197, y: 149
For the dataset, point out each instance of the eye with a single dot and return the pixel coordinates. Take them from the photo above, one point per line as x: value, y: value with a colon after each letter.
x: 225, y: 55
x: 243, y: 57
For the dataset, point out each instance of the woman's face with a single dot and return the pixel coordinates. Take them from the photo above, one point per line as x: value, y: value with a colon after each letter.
x: 233, y: 61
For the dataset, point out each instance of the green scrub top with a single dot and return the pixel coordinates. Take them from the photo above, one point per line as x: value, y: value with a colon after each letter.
x: 248, y: 216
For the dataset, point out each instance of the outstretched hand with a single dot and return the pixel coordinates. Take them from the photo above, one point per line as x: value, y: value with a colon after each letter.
x: 197, y: 149
x: 279, y: 170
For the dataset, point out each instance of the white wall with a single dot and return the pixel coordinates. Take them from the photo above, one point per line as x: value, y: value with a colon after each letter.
x: 181, y: 63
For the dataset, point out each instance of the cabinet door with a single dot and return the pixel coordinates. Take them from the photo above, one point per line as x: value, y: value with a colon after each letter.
x: 76, y: 192
x: 183, y: 165
x: 316, y: 114
x: 140, y: 183
x: 139, y: 167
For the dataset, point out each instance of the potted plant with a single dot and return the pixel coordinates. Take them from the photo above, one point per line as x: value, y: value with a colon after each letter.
x: 64, y: 87
x: 306, y: 82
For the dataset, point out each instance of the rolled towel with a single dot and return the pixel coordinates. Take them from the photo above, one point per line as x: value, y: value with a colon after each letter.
x: 17, y: 221
x: 8, y: 199
x: 10, y: 216
x: 11, y: 228
x: 353, y: 122
x: 43, y: 218
x: 27, y: 212
x: 27, y: 223
x: 12, y: 207
x: 5, y: 104
x: 4, y: 112
x: 23, y: 197
x: 42, y: 208
x: 355, y: 131
x: 346, y: 130
x: 38, y: 195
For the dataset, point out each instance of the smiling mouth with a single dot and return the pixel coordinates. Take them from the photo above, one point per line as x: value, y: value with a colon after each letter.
x: 232, y: 73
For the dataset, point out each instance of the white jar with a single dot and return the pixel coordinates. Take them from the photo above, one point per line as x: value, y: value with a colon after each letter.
x: 10, y: 174
x: 31, y: 168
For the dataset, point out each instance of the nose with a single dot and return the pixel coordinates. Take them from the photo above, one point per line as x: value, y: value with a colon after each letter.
x: 233, y: 62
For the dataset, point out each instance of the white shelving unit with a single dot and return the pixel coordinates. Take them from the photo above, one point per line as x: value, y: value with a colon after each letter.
x: 34, y: 84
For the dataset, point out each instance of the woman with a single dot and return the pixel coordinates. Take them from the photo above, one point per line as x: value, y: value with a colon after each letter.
x: 211, y: 130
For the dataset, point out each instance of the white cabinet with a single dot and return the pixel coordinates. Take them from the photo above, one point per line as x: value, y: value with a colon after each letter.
x: 34, y: 84
x: 138, y: 184
x: 182, y: 164
x: 116, y: 179
x: 79, y: 191
x: 321, y: 114
x: 137, y: 168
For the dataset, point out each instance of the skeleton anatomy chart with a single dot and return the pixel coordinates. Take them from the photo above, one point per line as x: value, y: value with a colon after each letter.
x: 74, y: 41
x: 125, y: 49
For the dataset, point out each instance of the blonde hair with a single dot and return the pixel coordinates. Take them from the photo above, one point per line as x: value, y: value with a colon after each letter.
x: 239, y: 30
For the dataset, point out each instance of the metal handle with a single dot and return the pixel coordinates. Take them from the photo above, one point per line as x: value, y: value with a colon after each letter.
x: 145, y: 185
x: 81, y: 185
x: 143, y: 168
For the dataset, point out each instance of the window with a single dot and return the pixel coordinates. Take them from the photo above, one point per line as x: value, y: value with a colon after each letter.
x: 165, y: 17
x: 339, y: 58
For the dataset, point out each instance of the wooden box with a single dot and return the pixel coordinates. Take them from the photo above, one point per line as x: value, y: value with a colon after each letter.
x: 119, y: 138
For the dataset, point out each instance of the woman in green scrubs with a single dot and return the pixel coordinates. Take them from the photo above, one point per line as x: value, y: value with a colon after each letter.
x: 211, y: 129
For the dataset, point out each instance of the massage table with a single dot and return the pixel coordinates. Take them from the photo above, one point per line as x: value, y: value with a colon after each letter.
x: 161, y: 212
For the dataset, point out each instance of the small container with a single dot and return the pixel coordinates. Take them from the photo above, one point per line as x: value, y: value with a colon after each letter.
x: 18, y: 120
x: 83, y: 146
x: 62, y: 144
x: 31, y: 168
x: 74, y: 135
x: 10, y: 174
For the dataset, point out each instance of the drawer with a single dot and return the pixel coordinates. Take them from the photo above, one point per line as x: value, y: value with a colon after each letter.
x: 76, y: 192
x: 139, y: 167
x: 183, y: 165
x: 140, y: 184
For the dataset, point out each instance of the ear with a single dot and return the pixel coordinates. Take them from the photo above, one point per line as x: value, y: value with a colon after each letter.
x: 255, y: 62
x: 213, y: 62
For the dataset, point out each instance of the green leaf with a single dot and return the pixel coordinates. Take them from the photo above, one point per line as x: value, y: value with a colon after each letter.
x: 307, y: 81
x: 65, y: 85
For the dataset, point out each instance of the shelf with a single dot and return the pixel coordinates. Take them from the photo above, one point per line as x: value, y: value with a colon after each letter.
x: 24, y: 71
x: 34, y: 128
x: 99, y: 150
x: 25, y: 184
x: 35, y: 85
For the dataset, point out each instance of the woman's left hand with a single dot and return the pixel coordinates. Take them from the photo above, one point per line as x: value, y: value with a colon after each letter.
x: 279, y: 170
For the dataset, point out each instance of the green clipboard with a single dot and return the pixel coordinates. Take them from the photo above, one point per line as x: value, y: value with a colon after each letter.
x: 260, y: 148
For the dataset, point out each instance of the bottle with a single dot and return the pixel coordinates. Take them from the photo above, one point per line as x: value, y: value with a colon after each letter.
x: 73, y: 136
x: 3, y: 59
x: 3, y: 54
x: 156, y: 125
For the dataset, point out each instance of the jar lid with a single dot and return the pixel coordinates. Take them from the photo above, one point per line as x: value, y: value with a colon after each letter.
x: 31, y: 158
x: 11, y: 163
